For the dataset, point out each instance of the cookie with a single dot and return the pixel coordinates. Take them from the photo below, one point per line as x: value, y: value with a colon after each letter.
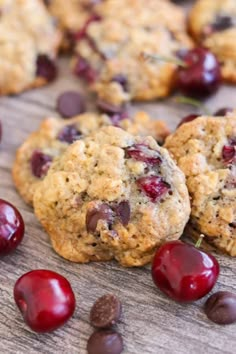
x: 72, y: 17
x: 112, y: 195
x: 109, y: 52
x: 54, y: 135
x: 29, y: 43
x: 205, y: 150
x: 213, y: 24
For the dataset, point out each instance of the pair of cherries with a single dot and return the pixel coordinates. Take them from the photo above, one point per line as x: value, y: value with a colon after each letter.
x: 45, y: 298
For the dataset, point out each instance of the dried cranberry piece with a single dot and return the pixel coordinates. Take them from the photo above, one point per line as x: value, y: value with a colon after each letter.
x: 69, y: 134
x: 46, y: 68
x: 123, y: 212
x: 84, y: 70
x: 40, y: 163
x: 70, y: 103
x: 187, y: 119
x: 142, y: 152
x: 153, y: 186
x: 229, y: 151
x: 101, y: 212
x: 82, y: 33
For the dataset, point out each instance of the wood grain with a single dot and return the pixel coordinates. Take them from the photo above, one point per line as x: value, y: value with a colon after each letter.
x: 151, y: 323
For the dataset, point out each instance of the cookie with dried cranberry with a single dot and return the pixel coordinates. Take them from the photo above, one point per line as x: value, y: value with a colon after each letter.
x: 109, y: 52
x: 36, y: 154
x: 112, y: 195
x: 213, y: 24
x: 29, y: 42
x: 205, y: 150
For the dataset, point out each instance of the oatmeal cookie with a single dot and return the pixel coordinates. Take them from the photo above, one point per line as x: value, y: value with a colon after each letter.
x: 28, y: 45
x: 109, y: 51
x: 112, y: 195
x: 213, y: 24
x: 205, y: 150
x: 36, y: 154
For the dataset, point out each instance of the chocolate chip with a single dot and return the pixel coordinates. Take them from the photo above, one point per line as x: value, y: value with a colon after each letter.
x: 221, y: 307
x: 69, y: 134
x: 221, y: 112
x: 106, y: 311
x: 101, y: 212
x: 223, y: 22
x: 40, y: 163
x: 46, y: 68
x: 105, y: 342
x: 70, y: 104
x: 109, y: 108
x: 122, y: 80
x: 123, y: 212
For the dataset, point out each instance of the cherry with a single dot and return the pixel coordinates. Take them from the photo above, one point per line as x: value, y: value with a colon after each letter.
x: 153, y: 186
x: 45, y: 299
x: 187, y: 119
x: 142, y: 152
x: 183, y: 272
x: 200, y: 74
x: 229, y: 152
x: 12, y: 227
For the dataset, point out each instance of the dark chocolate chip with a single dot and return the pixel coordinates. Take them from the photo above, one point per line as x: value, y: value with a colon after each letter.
x: 70, y: 104
x: 123, y: 212
x: 221, y: 112
x: 105, y: 342
x: 101, y: 212
x: 116, y: 118
x: 109, y: 108
x: 106, y: 311
x: 122, y: 80
x: 223, y: 22
x: 69, y: 134
x: 46, y: 68
x: 40, y: 163
x: 221, y: 307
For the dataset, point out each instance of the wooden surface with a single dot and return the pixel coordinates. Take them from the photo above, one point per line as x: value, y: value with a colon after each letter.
x: 151, y: 323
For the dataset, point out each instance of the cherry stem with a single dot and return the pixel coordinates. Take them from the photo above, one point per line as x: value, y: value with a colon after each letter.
x: 156, y: 57
x: 192, y: 102
x: 199, y: 241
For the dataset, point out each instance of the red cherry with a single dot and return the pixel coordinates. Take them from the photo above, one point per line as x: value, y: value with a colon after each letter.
x: 183, y: 272
x: 45, y: 299
x: 12, y: 227
x: 187, y: 119
x: 201, y: 75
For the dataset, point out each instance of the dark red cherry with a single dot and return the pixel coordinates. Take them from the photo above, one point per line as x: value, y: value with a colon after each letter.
x: 45, y: 299
x: 183, y: 272
x: 12, y: 227
x: 187, y: 119
x: 46, y: 68
x: 153, y: 186
x: 142, y: 152
x: 201, y: 75
x: 229, y: 152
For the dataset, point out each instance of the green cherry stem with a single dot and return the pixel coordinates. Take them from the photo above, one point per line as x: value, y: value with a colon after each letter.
x: 199, y: 241
x: 157, y: 57
x: 192, y: 102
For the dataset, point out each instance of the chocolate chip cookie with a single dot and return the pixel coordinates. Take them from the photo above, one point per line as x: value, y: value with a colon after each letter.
x: 110, y: 47
x: 205, y: 150
x: 112, y: 195
x: 213, y: 24
x: 29, y: 41
x: 36, y: 154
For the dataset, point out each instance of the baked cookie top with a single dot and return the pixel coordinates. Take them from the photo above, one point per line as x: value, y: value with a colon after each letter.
x: 112, y: 195
x: 205, y: 150
x: 36, y: 154
x: 111, y: 47
x: 29, y: 42
x: 213, y: 24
